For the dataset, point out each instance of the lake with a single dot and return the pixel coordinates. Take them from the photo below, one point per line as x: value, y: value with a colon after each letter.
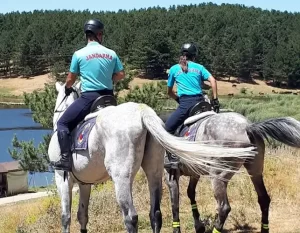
x: 19, y: 121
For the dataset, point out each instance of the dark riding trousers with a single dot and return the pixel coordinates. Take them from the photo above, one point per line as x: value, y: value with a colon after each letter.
x: 186, y: 102
x: 78, y: 110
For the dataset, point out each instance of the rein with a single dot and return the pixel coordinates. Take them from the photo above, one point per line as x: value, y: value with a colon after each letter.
x: 63, y: 100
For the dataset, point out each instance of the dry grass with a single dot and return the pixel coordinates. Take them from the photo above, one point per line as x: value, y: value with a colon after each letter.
x: 282, y: 175
x: 224, y: 87
x: 14, y: 216
x: 16, y: 86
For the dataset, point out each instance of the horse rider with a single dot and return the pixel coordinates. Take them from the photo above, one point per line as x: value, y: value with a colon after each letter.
x: 188, y: 76
x: 98, y: 67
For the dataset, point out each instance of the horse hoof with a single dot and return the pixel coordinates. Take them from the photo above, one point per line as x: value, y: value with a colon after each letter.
x: 264, y: 230
x: 176, y: 230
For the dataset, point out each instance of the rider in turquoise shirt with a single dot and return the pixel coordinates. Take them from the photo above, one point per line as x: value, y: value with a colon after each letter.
x: 188, y: 76
x: 98, y: 68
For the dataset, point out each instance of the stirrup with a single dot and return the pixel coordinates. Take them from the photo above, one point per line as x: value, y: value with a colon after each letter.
x: 171, y: 161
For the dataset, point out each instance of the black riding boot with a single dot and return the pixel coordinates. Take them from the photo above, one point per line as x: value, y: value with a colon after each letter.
x: 66, y: 155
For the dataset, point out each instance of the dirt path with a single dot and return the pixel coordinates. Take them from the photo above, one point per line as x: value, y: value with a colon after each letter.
x: 26, y: 196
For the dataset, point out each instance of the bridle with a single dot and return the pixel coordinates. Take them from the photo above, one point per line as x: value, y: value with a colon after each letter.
x: 65, y: 98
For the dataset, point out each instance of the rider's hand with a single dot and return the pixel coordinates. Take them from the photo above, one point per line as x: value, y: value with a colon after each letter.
x: 216, y: 105
x: 68, y: 90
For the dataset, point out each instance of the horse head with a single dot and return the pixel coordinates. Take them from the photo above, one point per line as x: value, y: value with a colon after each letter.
x: 63, y: 101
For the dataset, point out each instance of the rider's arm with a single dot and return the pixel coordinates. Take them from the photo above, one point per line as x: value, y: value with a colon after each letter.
x: 71, y: 78
x: 118, y: 76
x: 119, y: 72
x: 206, y: 76
x: 171, y: 81
x: 172, y: 94
x: 214, y: 88
x: 74, y: 70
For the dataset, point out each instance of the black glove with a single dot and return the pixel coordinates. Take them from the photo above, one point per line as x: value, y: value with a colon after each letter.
x: 68, y: 90
x: 216, y: 105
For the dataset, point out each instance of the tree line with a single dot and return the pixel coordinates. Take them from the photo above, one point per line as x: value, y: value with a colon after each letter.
x: 233, y: 40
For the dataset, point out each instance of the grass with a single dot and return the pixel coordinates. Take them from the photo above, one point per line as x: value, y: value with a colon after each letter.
x: 7, y: 98
x: 43, y: 215
x: 260, y: 108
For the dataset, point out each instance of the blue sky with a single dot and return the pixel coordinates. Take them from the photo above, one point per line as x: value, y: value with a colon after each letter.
x: 29, y: 5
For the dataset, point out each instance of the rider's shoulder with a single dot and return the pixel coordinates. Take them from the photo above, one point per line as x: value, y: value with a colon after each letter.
x: 195, y: 64
x: 198, y: 66
x: 99, y: 49
x: 80, y: 51
x: 102, y: 47
x: 175, y: 67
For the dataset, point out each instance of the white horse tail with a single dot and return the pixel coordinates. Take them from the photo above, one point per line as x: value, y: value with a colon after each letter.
x: 192, y: 154
x: 282, y: 129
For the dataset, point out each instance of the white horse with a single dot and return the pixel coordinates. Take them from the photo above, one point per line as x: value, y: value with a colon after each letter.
x: 123, y: 139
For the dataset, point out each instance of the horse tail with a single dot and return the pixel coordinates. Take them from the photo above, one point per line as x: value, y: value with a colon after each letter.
x: 195, y: 155
x: 282, y: 129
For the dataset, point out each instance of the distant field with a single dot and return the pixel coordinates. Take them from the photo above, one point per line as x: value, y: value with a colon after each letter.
x: 12, y: 89
x: 16, y: 86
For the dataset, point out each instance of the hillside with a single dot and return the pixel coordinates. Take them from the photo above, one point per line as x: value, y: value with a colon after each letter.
x: 233, y: 40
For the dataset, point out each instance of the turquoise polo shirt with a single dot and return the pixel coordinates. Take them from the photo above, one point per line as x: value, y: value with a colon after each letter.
x: 96, y: 65
x: 188, y: 83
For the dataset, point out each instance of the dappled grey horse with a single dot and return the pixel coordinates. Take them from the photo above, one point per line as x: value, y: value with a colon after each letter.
x: 114, y: 141
x: 219, y: 128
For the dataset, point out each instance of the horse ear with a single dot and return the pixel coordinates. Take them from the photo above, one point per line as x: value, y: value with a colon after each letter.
x: 58, y: 86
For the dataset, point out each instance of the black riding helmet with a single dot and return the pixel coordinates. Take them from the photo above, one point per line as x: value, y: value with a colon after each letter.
x: 93, y: 25
x: 189, y: 49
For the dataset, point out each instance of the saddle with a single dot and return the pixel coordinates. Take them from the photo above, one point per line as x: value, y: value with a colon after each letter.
x: 81, y: 133
x: 195, y: 113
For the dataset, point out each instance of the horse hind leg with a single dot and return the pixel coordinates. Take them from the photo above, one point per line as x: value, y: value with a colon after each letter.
x: 263, y: 200
x: 153, y: 166
x: 172, y: 179
x: 191, y: 192
x: 255, y: 170
x: 123, y: 188
x: 122, y: 174
x: 220, y: 192
x: 82, y: 214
